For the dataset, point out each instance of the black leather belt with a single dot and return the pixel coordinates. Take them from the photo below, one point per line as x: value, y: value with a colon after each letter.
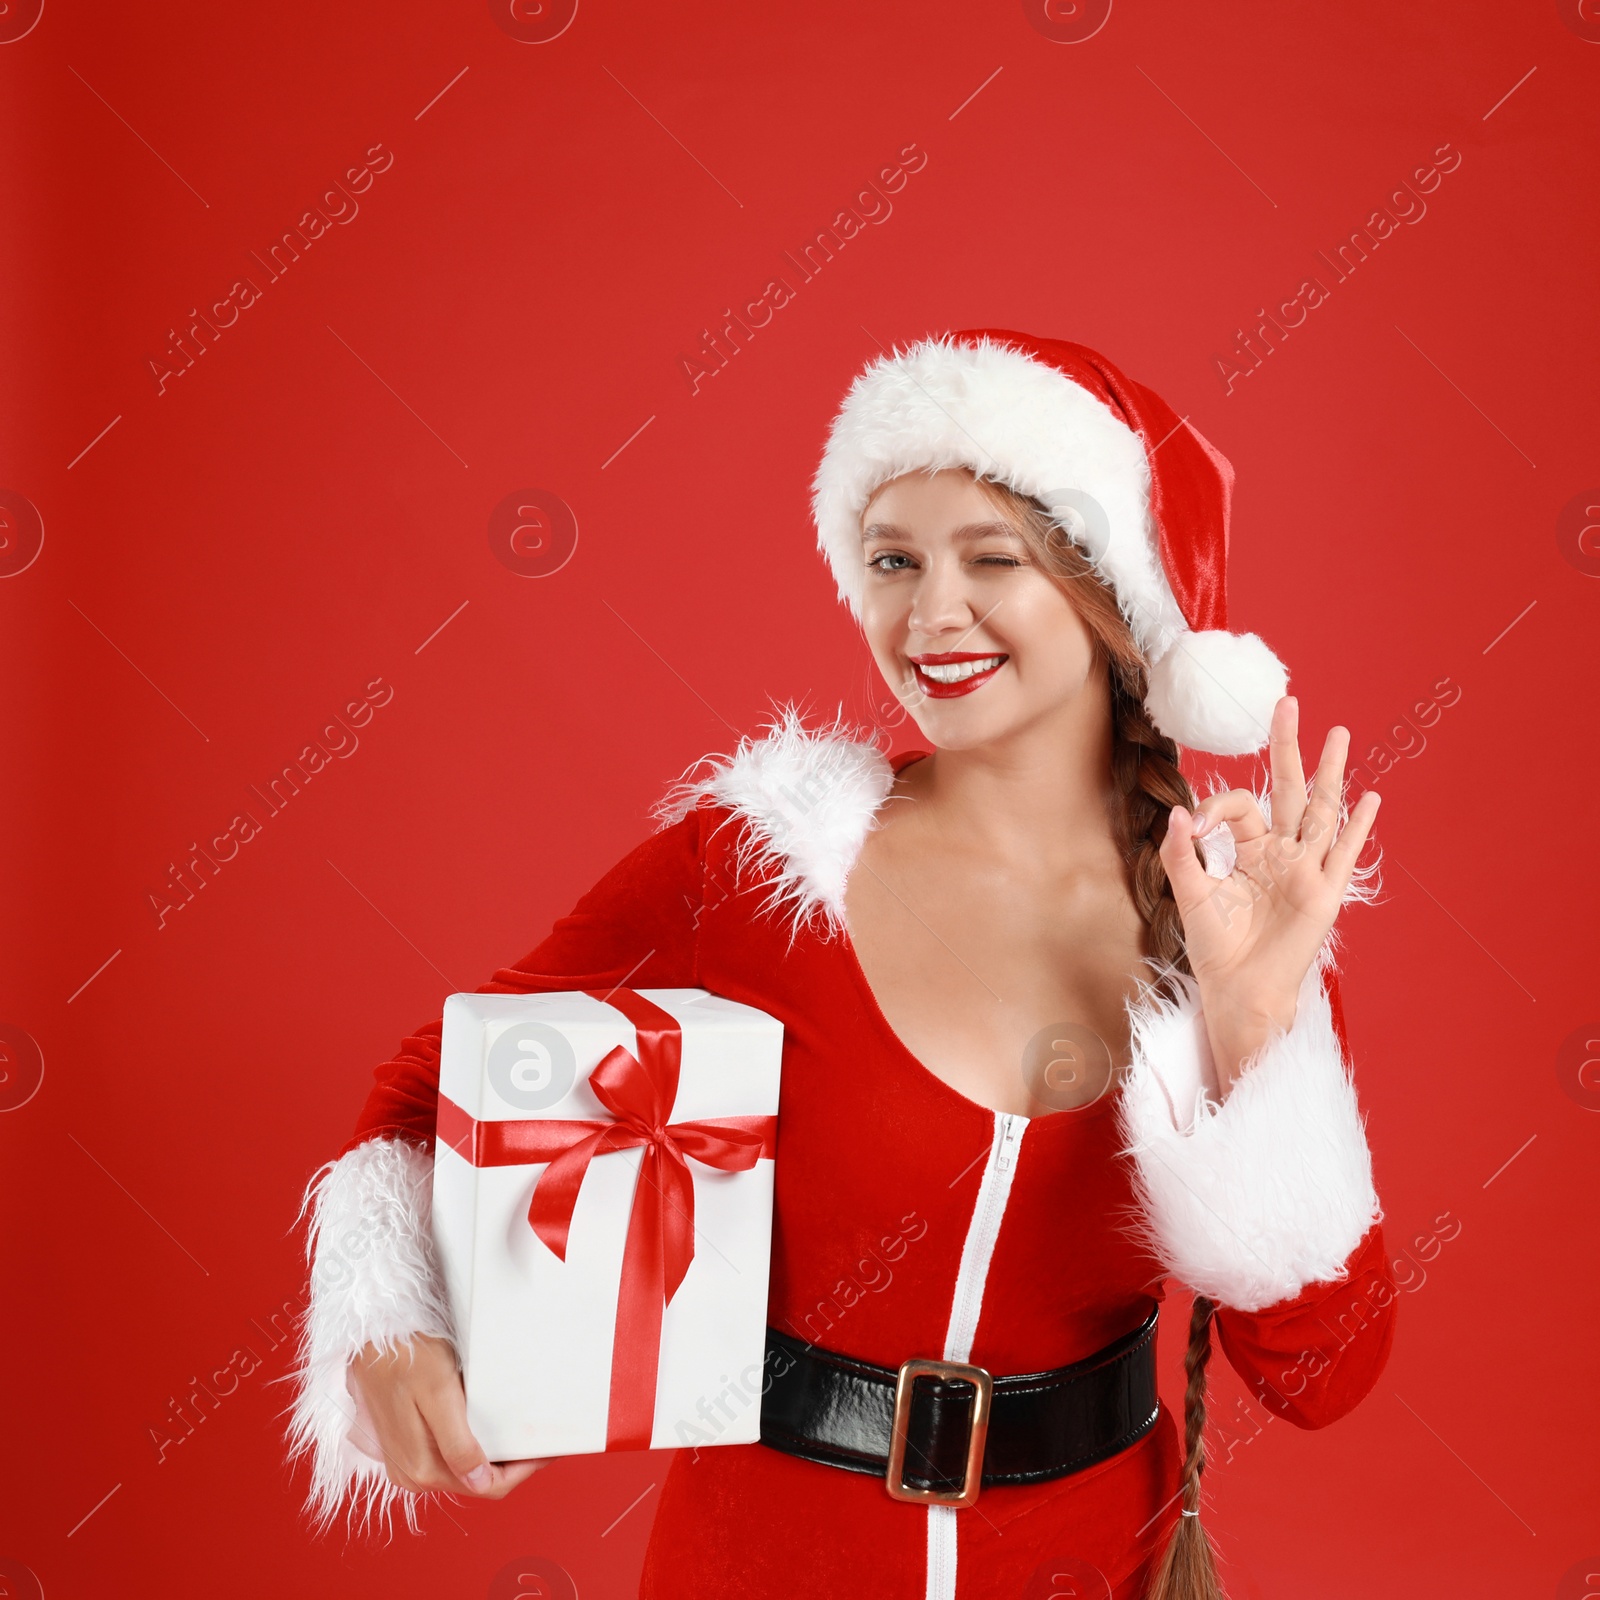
x: 937, y: 1431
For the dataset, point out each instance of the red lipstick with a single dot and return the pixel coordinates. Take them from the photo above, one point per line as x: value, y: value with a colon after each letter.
x: 954, y: 685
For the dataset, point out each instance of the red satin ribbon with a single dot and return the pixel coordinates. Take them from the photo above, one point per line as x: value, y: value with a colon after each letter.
x: 639, y: 1092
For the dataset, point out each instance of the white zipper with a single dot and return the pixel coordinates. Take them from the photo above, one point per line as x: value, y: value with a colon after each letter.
x: 972, y: 1277
x: 1010, y: 1140
x: 982, y: 1232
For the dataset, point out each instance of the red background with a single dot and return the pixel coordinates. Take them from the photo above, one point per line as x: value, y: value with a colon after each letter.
x: 237, y: 557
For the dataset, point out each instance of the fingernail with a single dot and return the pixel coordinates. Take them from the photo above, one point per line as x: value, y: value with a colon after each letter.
x: 1203, y: 824
x: 480, y: 1477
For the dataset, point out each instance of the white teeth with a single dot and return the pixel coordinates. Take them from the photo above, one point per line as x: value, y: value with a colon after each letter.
x: 956, y: 671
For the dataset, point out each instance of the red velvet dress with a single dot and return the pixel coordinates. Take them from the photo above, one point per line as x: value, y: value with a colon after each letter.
x: 878, y: 1172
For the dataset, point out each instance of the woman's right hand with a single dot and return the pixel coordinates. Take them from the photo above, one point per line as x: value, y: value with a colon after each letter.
x: 411, y: 1413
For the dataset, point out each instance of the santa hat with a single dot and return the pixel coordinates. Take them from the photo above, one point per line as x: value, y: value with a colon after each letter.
x: 1136, y: 487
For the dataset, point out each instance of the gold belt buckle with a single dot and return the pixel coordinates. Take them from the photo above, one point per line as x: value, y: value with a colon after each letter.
x: 972, y: 1480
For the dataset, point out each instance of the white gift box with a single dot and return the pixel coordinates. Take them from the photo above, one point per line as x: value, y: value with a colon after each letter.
x: 536, y: 1333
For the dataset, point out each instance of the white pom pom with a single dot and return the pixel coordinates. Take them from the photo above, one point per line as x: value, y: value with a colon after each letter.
x: 1215, y: 691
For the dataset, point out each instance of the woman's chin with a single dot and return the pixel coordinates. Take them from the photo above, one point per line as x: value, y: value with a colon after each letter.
x: 963, y: 724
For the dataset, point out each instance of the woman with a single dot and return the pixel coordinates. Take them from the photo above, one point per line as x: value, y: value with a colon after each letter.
x: 1038, y: 1057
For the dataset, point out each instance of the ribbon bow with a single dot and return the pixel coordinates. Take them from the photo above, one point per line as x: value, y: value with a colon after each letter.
x: 638, y: 1091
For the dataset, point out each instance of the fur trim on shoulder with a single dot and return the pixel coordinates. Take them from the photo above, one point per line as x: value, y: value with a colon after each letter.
x: 808, y: 799
x: 1250, y: 1201
x: 375, y: 1279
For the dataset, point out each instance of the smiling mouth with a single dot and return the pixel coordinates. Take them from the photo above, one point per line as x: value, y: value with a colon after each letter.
x: 948, y: 674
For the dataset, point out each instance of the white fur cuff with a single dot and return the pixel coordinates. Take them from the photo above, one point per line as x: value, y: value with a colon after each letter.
x: 374, y: 1280
x: 1249, y: 1201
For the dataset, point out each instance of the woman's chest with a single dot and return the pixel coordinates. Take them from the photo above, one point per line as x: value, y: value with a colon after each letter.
x: 1011, y: 987
x: 893, y: 1189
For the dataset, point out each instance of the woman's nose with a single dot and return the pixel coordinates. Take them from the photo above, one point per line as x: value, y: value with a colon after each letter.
x: 941, y: 602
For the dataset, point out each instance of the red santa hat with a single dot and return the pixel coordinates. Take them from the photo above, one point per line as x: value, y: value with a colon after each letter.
x: 1141, y: 492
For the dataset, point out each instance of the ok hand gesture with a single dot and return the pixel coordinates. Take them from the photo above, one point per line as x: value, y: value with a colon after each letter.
x: 1253, y: 935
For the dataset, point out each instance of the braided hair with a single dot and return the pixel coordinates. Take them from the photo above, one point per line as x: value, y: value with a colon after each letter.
x: 1147, y: 782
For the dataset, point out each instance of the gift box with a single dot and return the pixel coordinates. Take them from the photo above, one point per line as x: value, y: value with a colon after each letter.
x: 602, y: 1206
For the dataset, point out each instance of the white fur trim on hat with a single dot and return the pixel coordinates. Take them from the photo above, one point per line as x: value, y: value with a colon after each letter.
x: 1003, y: 415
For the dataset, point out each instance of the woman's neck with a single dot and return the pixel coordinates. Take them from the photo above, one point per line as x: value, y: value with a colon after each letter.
x: 1038, y: 793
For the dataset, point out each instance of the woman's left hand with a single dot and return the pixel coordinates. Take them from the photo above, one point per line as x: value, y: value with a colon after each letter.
x: 1253, y: 935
